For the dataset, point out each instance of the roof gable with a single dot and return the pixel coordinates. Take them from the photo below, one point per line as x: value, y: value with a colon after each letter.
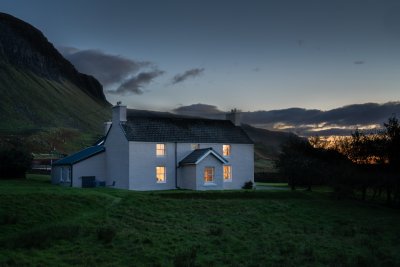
x: 81, y: 155
x: 198, y: 155
x: 183, y: 130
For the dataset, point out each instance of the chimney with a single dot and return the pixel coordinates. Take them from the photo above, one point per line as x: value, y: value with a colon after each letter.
x: 107, y: 126
x: 235, y: 116
x: 118, y: 113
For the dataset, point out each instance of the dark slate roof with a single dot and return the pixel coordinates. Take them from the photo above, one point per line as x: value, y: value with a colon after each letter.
x: 198, y: 154
x: 81, y: 155
x: 183, y: 130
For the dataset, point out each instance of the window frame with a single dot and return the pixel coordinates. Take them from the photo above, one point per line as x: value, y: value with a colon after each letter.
x: 229, y: 172
x: 212, y: 174
x: 161, y: 152
x: 228, y: 150
x: 164, y: 173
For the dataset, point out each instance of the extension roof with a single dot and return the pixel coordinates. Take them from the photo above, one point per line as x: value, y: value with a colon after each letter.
x: 183, y: 130
x: 81, y: 155
x: 199, y: 154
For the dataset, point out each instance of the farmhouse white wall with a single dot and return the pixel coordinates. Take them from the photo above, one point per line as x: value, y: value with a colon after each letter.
x: 143, y: 162
x: 242, y: 162
x: 217, y: 184
x: 187, y: 177
x: 93, y: 166
x: 117, y: 157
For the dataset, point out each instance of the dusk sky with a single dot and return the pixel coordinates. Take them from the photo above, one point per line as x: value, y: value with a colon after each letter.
x: 252, y: 55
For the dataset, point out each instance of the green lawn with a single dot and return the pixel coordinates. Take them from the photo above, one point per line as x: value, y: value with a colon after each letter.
x: 45, y: 225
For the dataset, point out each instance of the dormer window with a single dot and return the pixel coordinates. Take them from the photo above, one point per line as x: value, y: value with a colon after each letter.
x: 226, y: 150
x: 195, y: 146
x: 160, y: 150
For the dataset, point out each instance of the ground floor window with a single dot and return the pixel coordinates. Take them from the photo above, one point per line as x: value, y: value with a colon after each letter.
x: 209, y: 174
x: 161, y: 174
x: 227, y: 173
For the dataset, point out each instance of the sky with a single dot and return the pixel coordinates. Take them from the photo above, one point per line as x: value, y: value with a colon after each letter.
x: 251, y: 55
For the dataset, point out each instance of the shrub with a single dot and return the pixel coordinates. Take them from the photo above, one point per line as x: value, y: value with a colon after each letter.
x: 248, y: 185
x: 15, y: 159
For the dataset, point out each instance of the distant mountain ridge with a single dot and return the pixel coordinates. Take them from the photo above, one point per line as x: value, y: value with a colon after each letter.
x: 40, y: 89
x: 309, y: 122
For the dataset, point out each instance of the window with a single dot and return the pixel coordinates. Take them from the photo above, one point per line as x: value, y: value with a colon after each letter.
x: 226, y: 150
x: 208, y: 174
x: 161, y: 174
x: 195, y: 146
x: 160, y: 150
x: 227, y: 173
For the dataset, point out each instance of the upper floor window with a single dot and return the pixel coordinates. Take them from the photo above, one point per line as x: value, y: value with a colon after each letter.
x: 161, y: 174
x: 227, y: 173
x: 208, y: 174
x: 161, y: 150
x: 195, y: 146
x: 226, y: 150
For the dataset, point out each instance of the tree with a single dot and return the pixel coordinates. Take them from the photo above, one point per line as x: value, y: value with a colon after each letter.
x: 15, y: 159
x: 298, y: 163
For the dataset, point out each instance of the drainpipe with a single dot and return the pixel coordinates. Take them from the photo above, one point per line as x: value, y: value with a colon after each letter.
x: 70, y: 173
x: 176, y: 166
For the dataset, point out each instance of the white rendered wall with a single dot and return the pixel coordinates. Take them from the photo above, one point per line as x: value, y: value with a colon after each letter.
x: 143, y: 162
x: 217, y: 184
x: 187, y: 177
x: 117, y: 157
x: 242, y: 162
x: 93, y: 166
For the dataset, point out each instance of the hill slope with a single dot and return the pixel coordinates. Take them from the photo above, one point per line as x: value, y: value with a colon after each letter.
x: 40, y: 89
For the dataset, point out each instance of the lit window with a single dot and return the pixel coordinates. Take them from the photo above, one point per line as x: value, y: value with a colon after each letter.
x: 227, y: 173
x: 226, y: 150
x: 208, y: 174
x: 160, y: 150
x: 161, y: 174
x: 195, y: 146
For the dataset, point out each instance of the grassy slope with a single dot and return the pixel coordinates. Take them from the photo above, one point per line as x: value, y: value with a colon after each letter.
x: 50, y: 225
x: 29, y: 102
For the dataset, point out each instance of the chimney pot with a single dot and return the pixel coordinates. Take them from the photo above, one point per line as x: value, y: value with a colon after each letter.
x: 235, y: 116
x: 119, y: 113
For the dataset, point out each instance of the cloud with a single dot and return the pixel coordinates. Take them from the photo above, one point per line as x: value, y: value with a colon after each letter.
x: 200, y: 110
x: 135, y: 84
x: 187, y: 74
x: 309, y: 122
x: 359, y: 62
x: 108, y: 69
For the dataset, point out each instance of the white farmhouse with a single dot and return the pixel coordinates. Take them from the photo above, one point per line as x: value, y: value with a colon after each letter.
x: 161, y: 153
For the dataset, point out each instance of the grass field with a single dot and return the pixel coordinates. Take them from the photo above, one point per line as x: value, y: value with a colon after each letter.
x: 45, y: 225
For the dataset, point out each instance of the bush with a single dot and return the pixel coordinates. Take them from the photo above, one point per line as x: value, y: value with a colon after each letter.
x: 248, y: 185
x: 15, y: 159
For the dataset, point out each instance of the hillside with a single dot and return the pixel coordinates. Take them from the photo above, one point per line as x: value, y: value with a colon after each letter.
x: 41, y: 90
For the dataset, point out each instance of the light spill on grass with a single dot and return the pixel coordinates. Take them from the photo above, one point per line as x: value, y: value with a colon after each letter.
x: 48, y: 225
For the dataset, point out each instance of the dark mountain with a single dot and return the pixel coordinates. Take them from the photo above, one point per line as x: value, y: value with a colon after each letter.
x: 26, y: 48
x: 39, y: 89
